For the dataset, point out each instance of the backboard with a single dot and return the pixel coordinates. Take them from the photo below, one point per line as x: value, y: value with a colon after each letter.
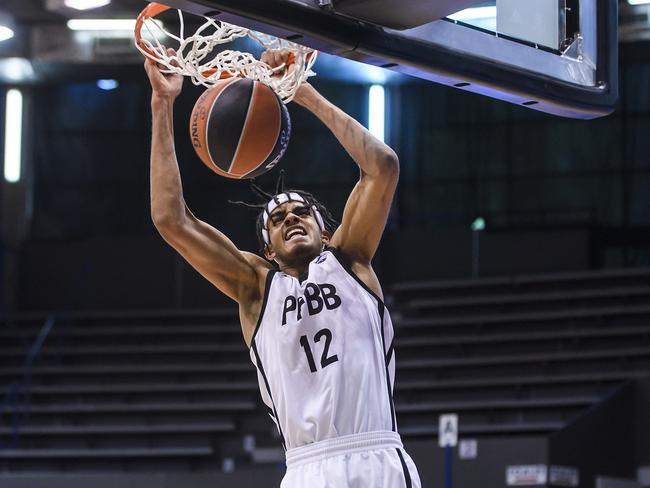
x: 556, y: 56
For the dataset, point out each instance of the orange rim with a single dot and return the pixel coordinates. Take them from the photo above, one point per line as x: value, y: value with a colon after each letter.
x: 148, y: 12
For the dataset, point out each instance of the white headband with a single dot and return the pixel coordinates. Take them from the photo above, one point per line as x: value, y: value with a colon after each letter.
x: 278, y: 200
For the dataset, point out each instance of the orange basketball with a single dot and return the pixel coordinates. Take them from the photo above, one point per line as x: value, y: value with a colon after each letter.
x: 240, y: 128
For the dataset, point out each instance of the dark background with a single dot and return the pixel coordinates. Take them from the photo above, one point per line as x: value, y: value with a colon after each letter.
x: 557, y: 194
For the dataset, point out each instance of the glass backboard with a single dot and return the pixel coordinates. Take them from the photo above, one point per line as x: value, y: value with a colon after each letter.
x: 556, y: 56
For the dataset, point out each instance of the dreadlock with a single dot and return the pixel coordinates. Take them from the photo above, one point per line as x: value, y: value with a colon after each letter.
x: 328, y: 220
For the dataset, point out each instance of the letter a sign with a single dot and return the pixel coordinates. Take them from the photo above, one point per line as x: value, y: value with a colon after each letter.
x: 448, y: 430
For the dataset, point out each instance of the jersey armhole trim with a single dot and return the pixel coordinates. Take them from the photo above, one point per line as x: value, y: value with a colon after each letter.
x: 267, y: 289
x: 381, y: 308
x: 337, y: 254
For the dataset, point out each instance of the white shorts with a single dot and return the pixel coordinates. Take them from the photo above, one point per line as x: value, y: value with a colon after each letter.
x: 368, y: 460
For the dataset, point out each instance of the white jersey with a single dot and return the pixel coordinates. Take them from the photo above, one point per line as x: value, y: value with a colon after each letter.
x: 323, y: 348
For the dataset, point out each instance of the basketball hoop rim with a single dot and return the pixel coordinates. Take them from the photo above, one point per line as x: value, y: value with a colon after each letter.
x: 148, y: 12
x: 233, y: 64
x: 154, y: 8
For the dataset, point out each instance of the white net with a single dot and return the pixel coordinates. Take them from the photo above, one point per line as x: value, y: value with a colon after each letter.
x: 192, y: 57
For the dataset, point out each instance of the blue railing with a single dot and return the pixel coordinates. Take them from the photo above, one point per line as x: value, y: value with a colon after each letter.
x: 16, y: 404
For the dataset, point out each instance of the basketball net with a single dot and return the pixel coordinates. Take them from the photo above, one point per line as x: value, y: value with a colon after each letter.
x: 191, y: 56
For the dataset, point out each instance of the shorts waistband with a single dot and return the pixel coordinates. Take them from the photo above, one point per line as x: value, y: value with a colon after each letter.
x: 343, y: 445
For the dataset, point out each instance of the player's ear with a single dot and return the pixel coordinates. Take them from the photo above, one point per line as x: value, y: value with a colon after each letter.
x: 325, y: 237
x: 269, y: 253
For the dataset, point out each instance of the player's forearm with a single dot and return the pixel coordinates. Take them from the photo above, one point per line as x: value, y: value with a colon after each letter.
x: 167, y: 202
x: 373, y: 156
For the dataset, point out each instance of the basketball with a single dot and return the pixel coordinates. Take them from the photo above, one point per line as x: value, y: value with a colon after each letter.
x: 240, y: 128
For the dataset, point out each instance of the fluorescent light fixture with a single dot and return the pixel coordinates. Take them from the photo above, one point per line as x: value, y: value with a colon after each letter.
x: 16, y: 70
x: 368, y: 73
x: 638, y: 2
x: 101, y: 24
x: 476, y: 13
x: 13, y: 135
x: 7, y: 26
x: 107, y: 84
x: 376, y: 111
x: 5, y: 33
x: 85, y: 4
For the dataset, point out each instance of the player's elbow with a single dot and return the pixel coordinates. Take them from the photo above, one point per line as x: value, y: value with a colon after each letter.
x: 389, y: 164
x: 166, y: 223
x: 384, y: 168
x: 169, y: 214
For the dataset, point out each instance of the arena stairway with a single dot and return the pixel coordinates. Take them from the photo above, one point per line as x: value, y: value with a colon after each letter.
x: 145, y: 390
x: 517, y: 356
x: 175, y: 390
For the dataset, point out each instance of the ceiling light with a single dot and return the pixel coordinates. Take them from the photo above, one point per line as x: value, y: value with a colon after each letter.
x: 85, y: 4
x: 6, y: 26
x: 376, y: 111
x: 476, y: 13
x: 13, y: 135
x: 16, y: 70
x: 101, y: 24
x: 5, y: 33
x: 107, y: 84
x: 638, y: 2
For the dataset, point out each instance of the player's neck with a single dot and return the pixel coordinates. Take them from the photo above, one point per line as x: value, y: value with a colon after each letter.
x: 298, y: 267
x: 296, y: 270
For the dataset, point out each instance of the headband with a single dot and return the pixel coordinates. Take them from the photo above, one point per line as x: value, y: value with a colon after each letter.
x: 278, y: 200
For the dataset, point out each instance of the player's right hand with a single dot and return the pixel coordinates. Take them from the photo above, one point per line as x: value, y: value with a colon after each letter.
x: 166, y: 85
x: 278, y: 59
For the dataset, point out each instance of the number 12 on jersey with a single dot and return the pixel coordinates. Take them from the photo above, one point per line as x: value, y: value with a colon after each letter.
x: 324, y: 359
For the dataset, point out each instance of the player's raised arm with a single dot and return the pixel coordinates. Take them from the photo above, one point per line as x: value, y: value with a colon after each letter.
x: 237, y: 274
x: 366, y: 210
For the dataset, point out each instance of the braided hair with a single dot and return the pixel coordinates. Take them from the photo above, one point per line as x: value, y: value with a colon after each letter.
x: 329, y: 222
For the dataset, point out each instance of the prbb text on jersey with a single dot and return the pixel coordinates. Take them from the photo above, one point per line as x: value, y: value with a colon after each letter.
x: 318, y: 297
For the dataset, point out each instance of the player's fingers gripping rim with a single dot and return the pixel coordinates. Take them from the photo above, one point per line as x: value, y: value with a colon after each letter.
x: 172, y: 54
x: 277, y: 59
x: 163, y: 83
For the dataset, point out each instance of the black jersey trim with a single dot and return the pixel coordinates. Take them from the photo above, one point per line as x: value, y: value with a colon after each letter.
x: 258, y: 360
x: 389, y: 354
x: 380, y: 308
x: 346, y: 267
x: 269, y: 410
x: 388, y: 385
x: 267, y: 290
x: 405, y: 469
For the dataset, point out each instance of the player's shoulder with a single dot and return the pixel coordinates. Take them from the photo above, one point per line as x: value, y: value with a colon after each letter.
x: 253, y: 299
x: 256, y: 261
x: 346, y: 261
x: 362, y: 272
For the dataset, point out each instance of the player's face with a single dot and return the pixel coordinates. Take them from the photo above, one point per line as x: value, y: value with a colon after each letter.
x: 294, y: 232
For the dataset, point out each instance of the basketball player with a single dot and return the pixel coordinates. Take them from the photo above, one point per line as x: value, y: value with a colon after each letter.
x: 311, y: 312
